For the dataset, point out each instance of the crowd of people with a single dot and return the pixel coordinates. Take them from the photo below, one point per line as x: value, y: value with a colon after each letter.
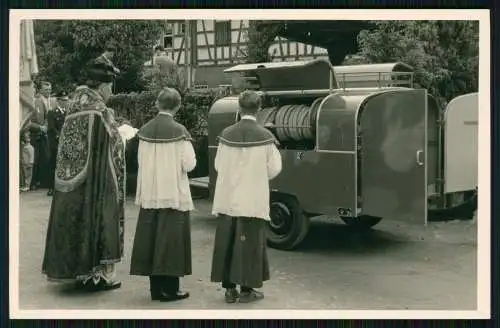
x: 85, y: 235
x: 39, y: 140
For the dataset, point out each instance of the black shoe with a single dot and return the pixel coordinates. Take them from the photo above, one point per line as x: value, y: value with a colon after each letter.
x: 106, y: 286
x: 50, y: 192
x: 155, y: 288
x: 231, y: 295
x: 173, y: 297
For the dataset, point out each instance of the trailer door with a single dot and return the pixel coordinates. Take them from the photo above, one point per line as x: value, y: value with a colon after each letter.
x: 393, y: 169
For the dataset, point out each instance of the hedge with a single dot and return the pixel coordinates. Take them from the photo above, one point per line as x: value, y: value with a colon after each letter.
x: 138, y: 108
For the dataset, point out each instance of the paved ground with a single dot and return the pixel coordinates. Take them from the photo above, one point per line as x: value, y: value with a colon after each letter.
x: 396, y: 266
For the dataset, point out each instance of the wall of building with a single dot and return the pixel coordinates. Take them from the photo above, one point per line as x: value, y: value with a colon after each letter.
x: 221, y: 44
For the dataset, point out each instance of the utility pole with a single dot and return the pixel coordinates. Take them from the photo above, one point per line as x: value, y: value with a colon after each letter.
x: 193, y: 47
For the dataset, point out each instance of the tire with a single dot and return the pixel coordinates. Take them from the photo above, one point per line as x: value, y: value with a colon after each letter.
x: 463, y: 209
x: 288, y: 226
x: 363, y: 222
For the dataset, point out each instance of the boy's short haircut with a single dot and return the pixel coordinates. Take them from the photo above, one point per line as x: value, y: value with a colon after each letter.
x: 249, y: 102
x: 169, y: 99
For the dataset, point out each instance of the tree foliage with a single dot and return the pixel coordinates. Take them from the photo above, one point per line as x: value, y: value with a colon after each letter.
x: 259, y: 38
x: 444, y: 54
x: 158, y: 77
x: 65, y: 46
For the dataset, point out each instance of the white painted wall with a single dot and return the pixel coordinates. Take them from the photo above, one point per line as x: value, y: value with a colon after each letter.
x: 222, y: 53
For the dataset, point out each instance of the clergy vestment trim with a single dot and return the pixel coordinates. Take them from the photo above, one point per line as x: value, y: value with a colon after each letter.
x: 67, y: 181
x: 246, y: 133
x: 163, y: 129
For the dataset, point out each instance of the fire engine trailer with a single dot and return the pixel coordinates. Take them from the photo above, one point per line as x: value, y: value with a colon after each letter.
x: 382, y: 150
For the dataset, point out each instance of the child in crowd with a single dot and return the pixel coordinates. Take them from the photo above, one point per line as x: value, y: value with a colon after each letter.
x: 27, y: 161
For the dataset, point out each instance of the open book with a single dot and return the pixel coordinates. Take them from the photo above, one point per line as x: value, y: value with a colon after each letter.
x: 127, y: 132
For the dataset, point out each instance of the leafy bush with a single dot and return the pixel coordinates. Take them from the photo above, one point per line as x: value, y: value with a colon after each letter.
x: 164, y: 74
x: 138, y: 108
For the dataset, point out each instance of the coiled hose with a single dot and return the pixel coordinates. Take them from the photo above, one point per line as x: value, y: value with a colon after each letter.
x: 291, y: 122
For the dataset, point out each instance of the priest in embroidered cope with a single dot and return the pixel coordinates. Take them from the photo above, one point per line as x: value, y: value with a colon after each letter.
x: 162, y: 243
x: 55, y: 121
x: 86, y: 224
x: 247, y: 158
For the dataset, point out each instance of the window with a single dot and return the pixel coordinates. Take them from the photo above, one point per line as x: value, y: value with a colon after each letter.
x: 182, y: 28
x: 168, y: 41
x: 169, y: 29
x: 222, y: 31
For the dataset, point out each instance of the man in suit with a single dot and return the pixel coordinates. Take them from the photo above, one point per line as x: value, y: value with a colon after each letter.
x: 38, y: 130
x: 55, y: 121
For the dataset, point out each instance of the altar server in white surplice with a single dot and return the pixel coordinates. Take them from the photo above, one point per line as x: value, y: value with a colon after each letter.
x: 162, y: 244
x: 247, y: 158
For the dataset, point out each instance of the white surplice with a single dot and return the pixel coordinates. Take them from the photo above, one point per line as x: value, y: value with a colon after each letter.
x: 243, y: 175
x: 162, y: 180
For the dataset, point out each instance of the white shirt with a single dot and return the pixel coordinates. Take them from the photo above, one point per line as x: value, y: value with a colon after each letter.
x: 162, y: 180
x: 243, y: 174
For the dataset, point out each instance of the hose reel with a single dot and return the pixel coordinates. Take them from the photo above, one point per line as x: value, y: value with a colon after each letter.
x: 293, y: 122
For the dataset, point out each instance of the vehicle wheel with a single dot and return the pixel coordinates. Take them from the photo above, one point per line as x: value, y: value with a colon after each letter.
x: 461, y: 206
x: 288, y: 225
x: 364, y: 222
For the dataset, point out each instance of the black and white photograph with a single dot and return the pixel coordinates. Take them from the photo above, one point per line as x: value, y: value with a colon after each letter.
x: 211, y: 163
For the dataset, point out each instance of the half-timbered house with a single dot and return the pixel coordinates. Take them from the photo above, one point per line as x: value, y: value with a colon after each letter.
x: 210, y: 46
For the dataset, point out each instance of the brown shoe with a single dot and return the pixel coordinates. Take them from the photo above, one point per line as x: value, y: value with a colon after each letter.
x: 231, y: 295
x: 250, y: 296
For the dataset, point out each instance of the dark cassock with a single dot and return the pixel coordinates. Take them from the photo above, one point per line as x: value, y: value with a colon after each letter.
x: 37, y: 126
x: 247, y: 158
x: 55, y: 121
x: 86, y: 224
x: 162, y: 243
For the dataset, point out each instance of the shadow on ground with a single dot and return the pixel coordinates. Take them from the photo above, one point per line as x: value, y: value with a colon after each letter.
x: 330, y: 237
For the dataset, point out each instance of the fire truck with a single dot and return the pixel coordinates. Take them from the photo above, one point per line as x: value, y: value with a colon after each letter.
x: 359, y: 143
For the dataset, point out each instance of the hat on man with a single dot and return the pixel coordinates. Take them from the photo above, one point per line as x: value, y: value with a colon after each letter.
x: 105, y: 58
x: 102, y: 70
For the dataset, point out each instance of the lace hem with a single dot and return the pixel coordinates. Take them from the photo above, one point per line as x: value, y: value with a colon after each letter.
x: 105, y: 272
x: 165, y: 203
x: 236, y: 213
